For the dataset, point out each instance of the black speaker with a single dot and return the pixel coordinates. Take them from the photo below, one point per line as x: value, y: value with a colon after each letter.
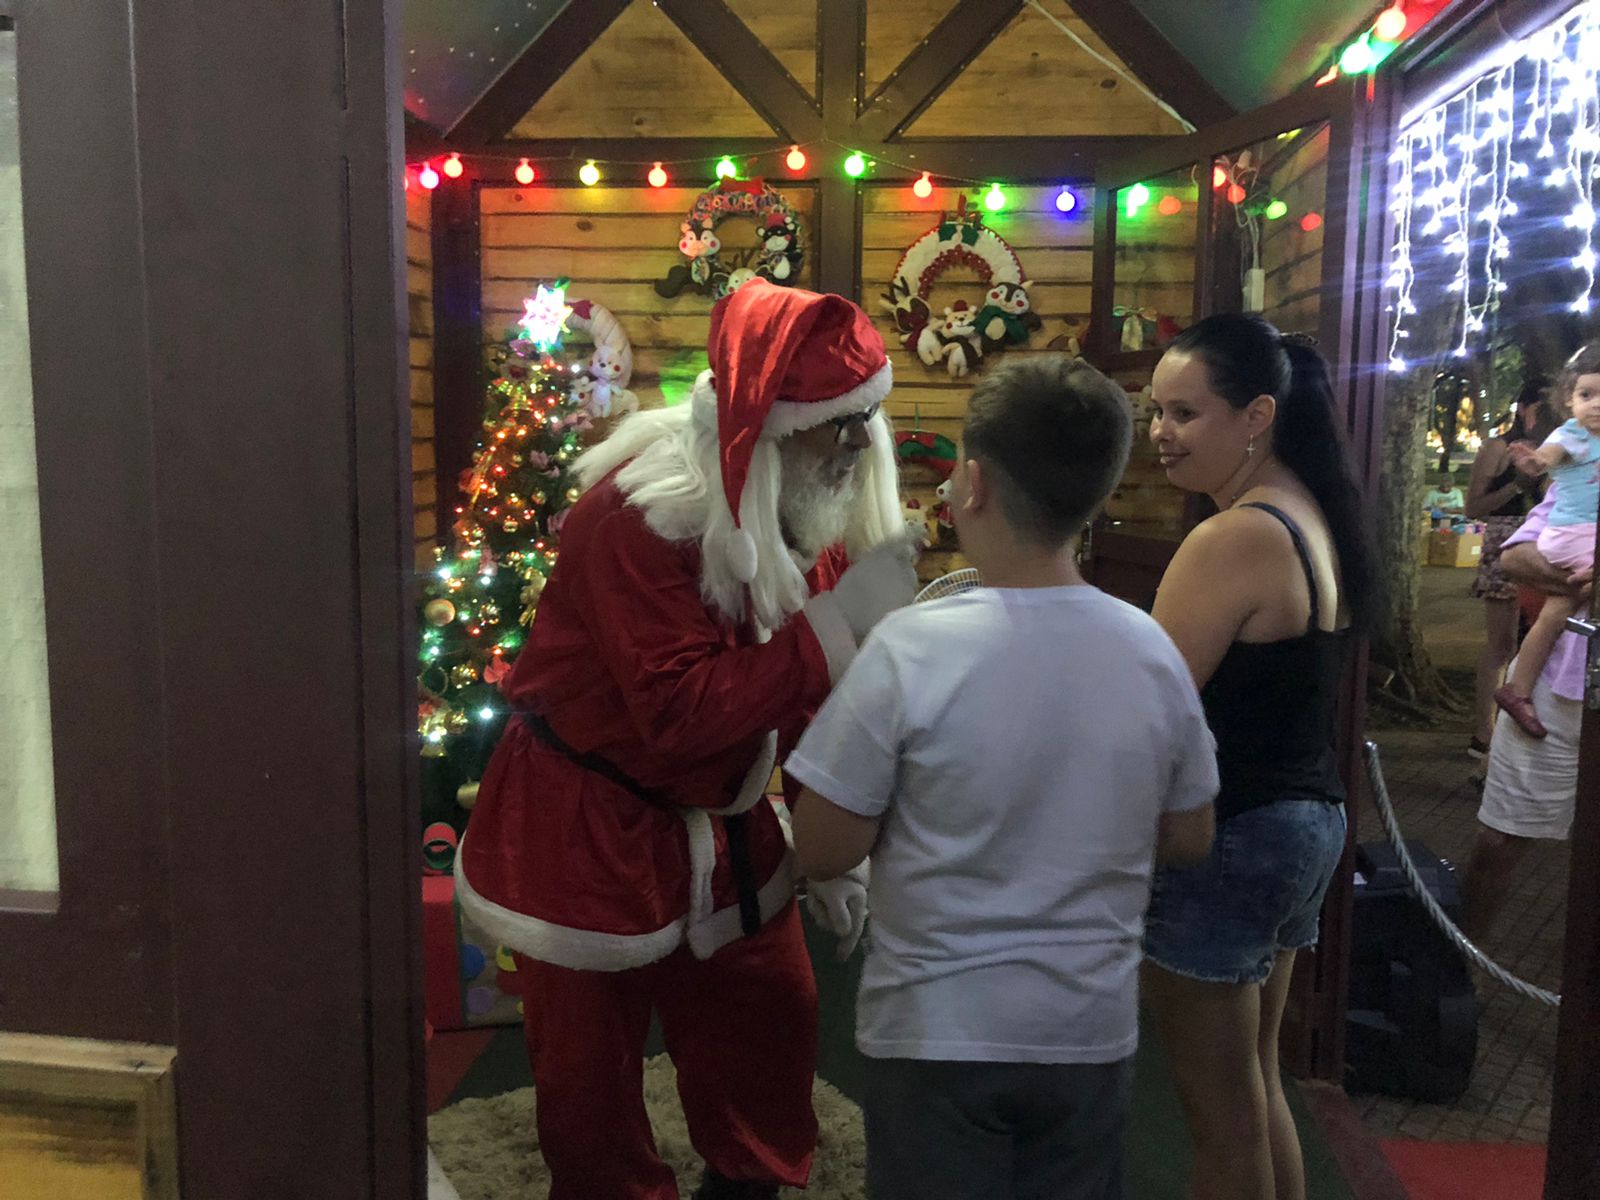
x: 1412, y: 1022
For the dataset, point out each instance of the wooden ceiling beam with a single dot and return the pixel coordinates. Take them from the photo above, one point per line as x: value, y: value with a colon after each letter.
x: 1154, y: 60
x: 918, y: 81
x: 746, y: 63
x: 534, y: 72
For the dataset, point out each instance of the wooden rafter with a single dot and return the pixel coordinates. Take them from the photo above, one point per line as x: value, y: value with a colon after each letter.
x: 533, y: 72
x: 1153, y: 59
x: 934, y: 65
x: 746, y: 63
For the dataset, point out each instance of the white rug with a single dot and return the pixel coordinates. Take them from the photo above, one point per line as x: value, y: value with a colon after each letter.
x: 490, y: 1150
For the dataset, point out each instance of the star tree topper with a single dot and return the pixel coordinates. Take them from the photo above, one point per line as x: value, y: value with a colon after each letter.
x: 545, y: 315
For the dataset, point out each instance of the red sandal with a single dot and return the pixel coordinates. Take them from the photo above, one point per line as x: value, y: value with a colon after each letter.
x: 1520, y: 709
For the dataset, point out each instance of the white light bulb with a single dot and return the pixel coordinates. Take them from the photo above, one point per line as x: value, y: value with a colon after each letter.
x: 485, y: 713
x: 444, y: 572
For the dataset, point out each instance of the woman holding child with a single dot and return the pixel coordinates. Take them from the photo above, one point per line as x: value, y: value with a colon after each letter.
x: 1259, y: 600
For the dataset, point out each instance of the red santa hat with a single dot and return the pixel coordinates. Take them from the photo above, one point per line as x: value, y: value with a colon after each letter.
x: 782, y: 360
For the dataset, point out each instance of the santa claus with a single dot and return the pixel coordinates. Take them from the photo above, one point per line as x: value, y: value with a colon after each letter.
x: 622, y: 843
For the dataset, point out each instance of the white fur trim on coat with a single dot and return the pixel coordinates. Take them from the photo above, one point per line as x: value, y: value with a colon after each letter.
x: 754, y: 787
x: 588, y: 950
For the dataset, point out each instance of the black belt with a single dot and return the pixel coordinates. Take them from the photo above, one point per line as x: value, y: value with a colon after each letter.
x: 738, y: 834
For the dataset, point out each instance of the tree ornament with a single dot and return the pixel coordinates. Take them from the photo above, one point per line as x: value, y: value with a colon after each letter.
x: 439, y: 613
x: 457, y: 721
x: 510, y: 524
x: 463, y: 675
x: 490, y: 614
x: 467, y: 794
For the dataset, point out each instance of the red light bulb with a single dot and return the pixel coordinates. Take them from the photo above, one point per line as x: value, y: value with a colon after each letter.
x: 923, y: 187
x: 1219, y: 176
x: 1170, y: 206
x: 428, y: 177
x: 1391, y: 24
x: 797, y: 159
x: 657, y: 176
x: 525, y: 173
x: 1311, y: 221
x: 1236, y: 194
x: 453, y: 167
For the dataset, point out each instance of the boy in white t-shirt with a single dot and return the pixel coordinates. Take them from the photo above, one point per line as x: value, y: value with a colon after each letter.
x: 1014, y: 759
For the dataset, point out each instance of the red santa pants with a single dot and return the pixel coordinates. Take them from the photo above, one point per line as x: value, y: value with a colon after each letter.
x: 741, y: 1028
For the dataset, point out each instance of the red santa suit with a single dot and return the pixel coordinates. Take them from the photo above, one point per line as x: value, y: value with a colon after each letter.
x: 622, y: 843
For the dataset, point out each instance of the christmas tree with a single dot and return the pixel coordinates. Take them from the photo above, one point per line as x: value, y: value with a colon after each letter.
x: 482, y: 594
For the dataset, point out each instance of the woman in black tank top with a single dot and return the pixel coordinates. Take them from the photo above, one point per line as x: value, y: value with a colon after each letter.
x: 1499, y: 497
x: 1260, y: 599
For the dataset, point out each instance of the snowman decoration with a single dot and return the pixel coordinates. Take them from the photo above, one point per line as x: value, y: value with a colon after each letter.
x: 601, y: 386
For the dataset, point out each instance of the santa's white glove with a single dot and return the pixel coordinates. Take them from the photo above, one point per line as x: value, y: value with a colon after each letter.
x: 882, y: 580
x: 839, y: 905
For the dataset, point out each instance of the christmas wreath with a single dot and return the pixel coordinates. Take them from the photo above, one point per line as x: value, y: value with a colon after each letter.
x: 967, y: 332
x: 777, y: 254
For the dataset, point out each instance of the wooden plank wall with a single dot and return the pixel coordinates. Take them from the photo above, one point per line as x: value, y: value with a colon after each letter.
x: 1291, y: 256
x: 1056, y: 251
x: 613, y: 243
x: 1034, y: 79
x: 419, y: 297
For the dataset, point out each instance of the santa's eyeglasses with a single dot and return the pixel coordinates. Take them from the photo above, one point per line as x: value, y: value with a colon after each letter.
x: 845, y: 424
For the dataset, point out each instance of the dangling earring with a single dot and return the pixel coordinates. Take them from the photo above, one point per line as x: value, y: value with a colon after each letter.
x: 1250, y: 446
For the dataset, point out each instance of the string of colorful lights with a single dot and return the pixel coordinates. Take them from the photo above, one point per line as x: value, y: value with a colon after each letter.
x: 1391, y: 26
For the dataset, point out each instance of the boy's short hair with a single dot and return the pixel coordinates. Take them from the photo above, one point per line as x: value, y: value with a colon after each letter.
x: 1053, y: 434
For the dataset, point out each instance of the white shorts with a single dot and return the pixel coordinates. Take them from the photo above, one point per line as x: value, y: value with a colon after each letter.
x: 1532, y: 783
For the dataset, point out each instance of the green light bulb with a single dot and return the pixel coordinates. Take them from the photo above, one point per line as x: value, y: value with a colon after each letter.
x: 1138, y: 197
x: 726, y: 169
x: 994, y: 199
x: 855, y: 165
x: 1357, y: 57
x: 1276, y: 209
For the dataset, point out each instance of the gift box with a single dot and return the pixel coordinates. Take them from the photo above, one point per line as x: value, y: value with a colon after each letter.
x: 1453, y: 548
x: 469, y: 980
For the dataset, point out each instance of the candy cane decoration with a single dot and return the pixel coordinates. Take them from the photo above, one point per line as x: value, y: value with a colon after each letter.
x: 603, y: 386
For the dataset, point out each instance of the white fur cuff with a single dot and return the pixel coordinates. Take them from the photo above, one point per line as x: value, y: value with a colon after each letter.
x: 833, y: 634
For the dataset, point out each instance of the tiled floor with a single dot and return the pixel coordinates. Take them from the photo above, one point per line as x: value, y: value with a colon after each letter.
x: 1430, y: 782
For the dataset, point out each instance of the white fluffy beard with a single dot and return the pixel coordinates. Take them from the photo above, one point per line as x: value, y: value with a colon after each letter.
x: 667, y: 464
x: 815, y: 499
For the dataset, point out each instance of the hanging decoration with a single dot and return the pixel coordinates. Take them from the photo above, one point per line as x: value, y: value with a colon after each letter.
x: 1522, y: 138
x: 777, y: 254
x: 930, y: 449
x: 600, y: 386
x: 968, y: 331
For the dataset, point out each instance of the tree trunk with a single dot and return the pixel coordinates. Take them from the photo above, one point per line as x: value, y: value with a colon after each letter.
x: 1402, y: 669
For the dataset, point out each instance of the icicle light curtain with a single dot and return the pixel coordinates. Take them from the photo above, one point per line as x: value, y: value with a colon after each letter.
x: 1496, y: 179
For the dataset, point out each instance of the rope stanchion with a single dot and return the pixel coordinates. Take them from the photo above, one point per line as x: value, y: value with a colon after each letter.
x: 1380, y: 794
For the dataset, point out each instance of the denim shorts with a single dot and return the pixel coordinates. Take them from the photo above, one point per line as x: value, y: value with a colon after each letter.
x: 1259, y: 892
